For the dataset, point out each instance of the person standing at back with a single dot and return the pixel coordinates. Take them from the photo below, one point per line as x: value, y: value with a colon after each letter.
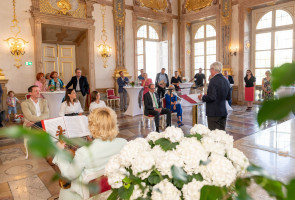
x: 162, y: 81
x: 122, y: 81
x: 80, y: 85
x: 200, y: 79
x: 217, y: 94
x: 231, y: 82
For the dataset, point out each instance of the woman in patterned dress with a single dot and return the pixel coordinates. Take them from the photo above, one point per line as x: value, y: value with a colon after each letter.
x: 267, y: 93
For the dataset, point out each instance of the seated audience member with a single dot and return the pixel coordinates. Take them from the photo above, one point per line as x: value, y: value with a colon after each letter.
x: 35, y: 108
x: 171, y: 104
x: 95, y: 101
x: 41, y: 82
x: 11, y: 103
x: 47, y: 78
x: 88, y: 160
x: 71, y: 106
x: 153, y: 106
x: 54, y: 80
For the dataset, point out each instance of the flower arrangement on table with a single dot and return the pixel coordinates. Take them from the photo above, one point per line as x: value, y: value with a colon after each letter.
x: 132, y: 83
x: 146, y: 168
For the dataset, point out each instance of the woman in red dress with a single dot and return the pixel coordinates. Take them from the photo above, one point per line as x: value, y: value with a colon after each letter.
x: 145, y: 83
x: 249, y: 89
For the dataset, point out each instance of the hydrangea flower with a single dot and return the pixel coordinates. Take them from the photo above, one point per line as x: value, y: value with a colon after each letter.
x: 192, y: 190
x: 144, y: 162
x: 200, y: 129
x: 165, y: 190
x: 240, y: 161
x: 174, y: 134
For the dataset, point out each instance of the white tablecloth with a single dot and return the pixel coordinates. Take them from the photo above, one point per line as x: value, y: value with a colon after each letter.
x: 187, y: 87
x: 286, y: 91
x: 54, y: 102
x: 133, y: 108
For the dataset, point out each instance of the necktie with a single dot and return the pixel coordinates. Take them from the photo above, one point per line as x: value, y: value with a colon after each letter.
x: 155, y: 100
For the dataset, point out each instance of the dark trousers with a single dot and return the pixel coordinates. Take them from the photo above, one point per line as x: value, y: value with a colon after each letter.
x: 157, y: 116
x: 216, y: 123
x: 161, y: 92
x: 230, y: 100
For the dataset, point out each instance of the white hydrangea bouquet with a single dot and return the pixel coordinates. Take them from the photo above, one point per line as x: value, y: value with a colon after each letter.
x: 148, y: 168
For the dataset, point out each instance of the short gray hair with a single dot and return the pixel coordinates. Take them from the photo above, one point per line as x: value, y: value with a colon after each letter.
x: 217, y: 66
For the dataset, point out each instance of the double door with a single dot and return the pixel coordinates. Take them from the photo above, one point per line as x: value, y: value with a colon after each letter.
x: 60, y: 58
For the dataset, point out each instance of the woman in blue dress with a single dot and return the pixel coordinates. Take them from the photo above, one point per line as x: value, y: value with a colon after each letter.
x: 171, y: 103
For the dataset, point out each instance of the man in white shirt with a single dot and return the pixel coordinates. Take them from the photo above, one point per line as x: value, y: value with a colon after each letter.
x: 153, y: 106
x: 34, y: 108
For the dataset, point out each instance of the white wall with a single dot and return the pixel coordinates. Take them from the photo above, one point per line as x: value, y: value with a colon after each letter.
x: 235, y: 42
x: 19, y: 79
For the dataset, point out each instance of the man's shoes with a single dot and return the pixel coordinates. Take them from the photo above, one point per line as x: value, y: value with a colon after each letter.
x: 157, y: 129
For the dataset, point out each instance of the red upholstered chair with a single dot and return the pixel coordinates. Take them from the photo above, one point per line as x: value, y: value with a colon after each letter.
x: 111, y: 97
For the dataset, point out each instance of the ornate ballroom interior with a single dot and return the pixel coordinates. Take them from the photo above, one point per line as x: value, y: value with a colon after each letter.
x: 104, y: 37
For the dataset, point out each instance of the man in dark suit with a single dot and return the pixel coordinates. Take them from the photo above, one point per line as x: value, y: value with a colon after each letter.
x: 153, y: 106
x: 231, y: 81
x: 162, y: 81
x: 122, y: 82
x: 80, y: 85
x: 217, y: 94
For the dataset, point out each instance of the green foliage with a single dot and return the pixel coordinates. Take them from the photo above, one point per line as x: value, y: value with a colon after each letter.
x: 273, y: 187
x: 125, y: 193
x: 165, y: 144
x: 210, y: 192
x: 151, y: 143
x: 114, y: 195
x: 283, y: 75
x: 198, y: 136
x: 291, y: 190
x: 154, y: 178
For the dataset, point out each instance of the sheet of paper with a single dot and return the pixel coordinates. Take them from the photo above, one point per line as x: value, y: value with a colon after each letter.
x: 77, y: 126
x: 52, y: 124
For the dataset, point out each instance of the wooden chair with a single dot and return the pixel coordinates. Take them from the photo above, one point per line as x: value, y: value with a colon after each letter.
x: 112, y: 98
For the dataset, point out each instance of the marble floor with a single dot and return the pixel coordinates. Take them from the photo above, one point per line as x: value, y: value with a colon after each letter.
x: 271, y: 146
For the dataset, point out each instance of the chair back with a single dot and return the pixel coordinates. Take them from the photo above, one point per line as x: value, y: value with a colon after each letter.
x: 27, y: 96
x: 110, y: 92
x: 163, y: 102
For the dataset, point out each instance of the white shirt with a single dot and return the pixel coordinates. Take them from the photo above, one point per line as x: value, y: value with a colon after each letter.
x: 37, y: 107
x: 154, y: 103
x: 78, y: 84
x: 65, y: 109
x: 95, y: 105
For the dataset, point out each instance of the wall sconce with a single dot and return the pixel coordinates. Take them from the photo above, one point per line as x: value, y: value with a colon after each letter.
x: 16, y: 44
x: 104, y: 49
x: 233, y: 51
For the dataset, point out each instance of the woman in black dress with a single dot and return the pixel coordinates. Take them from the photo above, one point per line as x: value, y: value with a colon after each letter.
x: 175, y: 80
x: 250, y: 81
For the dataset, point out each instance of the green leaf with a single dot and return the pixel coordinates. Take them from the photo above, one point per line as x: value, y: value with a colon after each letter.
x: 256, y: 170
x: 198, y: 136
x: 165, y: 144
x: 291, y: 190
x: 276, y: 109
x: 125, y: 193
x: 198, y: 177
x: 210, y: 192
x: 179, y: 174
x: 151, y: 143
x: 154, y: 178
x: 272, y: 187
x: 114, y: 195
x: 283, y: 75
x: 241, y: 185
x: 126, y: 182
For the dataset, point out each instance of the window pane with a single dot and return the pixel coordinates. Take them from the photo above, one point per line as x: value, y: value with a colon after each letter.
x: 263, y: 41
x: 207, y: 74
x: 199, y: 48
x: 210, y: 31
x: 211, y: 47
x: 283, y: 18
x: 209, y: 60
x: 283, y: 39
x: 199, y: 62
x: 200, y: 33
x: 282, y: 56
x: 153, y: 33
x: 262, y: 59
x: 260, y: 74
x: 142, y: 32
x: 265, y: 21
x: 139, y: 46
x: 140, y: 62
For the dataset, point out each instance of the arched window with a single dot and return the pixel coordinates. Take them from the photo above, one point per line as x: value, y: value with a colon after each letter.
x: 204, y: 48
x: 147, y: 46
x: 273, y: 36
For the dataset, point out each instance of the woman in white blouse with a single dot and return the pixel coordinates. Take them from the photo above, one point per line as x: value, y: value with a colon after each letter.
x: 93, y: 158
x: 71, y: 105
x: 95, y: 101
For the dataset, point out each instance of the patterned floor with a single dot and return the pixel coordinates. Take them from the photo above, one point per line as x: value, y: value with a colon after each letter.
x: 269, y: 146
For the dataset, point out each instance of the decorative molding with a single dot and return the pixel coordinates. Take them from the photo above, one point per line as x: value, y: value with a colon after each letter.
x: 197, y: 5
x: 155, y: 5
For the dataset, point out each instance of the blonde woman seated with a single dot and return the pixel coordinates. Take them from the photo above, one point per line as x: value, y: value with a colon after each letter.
x: 88, y: 160
x: 171, y: 104
x: 71, y: 106
x: 95, y: 101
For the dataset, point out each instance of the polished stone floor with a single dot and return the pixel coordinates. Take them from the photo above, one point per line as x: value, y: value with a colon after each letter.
x: 271, y: 146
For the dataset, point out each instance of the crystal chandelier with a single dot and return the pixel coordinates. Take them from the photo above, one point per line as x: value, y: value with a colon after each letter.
x: 16, y: 44
x: 104, y: 49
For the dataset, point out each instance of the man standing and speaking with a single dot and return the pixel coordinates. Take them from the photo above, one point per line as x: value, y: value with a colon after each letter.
x: 80, y: 85
x: 217, y: 94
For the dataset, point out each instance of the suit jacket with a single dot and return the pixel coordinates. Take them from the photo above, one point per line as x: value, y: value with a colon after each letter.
x: 217, y: 94
x: 157, y: 79
x: 122, y: 83
x: 148, y: 102
x: 29, y: 111
x: 84, y: 86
